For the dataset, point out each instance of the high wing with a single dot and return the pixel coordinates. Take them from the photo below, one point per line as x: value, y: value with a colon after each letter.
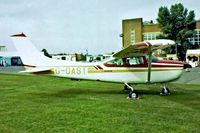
x: 143, y: 48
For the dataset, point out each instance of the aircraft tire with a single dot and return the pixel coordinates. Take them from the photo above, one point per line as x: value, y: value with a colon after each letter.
x: 165, y: 92
x: 133, y: 95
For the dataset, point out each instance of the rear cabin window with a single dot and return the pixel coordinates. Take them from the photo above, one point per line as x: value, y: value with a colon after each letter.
x: 153, y: 58
x: 131, y: 61
x: 135, y: 60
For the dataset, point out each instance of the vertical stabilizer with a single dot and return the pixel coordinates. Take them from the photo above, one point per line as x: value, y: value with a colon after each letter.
x: 29, y: 54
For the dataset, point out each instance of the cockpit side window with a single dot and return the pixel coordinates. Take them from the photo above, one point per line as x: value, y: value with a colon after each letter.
x: 153, y: 58
x: 115, y: 62
x: 130, y: 61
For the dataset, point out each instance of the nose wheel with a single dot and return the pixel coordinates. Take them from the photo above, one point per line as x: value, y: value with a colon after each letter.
x: 164, y: 91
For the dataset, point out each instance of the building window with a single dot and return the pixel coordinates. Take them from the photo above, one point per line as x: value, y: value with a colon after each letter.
x: 196, y: 39
x: 132, y: 36
x: 2, y: 48
x: 150, y: 36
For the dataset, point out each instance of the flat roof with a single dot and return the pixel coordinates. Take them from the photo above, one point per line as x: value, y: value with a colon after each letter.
x: 9, y: 54
x: 193, y: 51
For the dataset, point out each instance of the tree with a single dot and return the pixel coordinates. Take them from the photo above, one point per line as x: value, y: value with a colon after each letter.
x: 46, y: 53
x: 177, y: 24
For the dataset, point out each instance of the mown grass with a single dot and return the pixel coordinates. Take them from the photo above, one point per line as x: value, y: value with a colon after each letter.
x: 51, y: 104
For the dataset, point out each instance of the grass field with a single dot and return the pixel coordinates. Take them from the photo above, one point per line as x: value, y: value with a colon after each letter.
x: 50, y: 104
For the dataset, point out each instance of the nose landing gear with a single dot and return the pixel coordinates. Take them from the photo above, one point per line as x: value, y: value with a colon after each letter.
x: 164, y: 91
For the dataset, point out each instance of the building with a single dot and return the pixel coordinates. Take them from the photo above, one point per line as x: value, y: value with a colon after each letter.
x: 9, y: 58
x: 193, y: 57
x: 135, y: 30
x: 2, y: 48
x: 196, y: 39
x: 96, y: 58
x: 67, y: 57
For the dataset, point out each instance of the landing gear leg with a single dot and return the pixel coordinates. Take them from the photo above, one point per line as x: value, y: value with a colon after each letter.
x: 127, y: 89
x: 132, y: 94
x: 164, y: 91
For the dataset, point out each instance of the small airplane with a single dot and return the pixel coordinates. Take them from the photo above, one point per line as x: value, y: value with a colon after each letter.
x: 132, y: 65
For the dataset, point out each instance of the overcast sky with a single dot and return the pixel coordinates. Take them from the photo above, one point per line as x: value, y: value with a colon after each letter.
x: 72, y: 26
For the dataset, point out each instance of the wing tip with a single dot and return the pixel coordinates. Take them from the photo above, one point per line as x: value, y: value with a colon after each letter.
x: 19, y: 35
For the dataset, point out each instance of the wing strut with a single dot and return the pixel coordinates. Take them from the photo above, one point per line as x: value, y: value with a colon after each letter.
x: 149, y: 64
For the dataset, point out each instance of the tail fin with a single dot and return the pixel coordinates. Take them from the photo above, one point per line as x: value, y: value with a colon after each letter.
x: 29, y: 54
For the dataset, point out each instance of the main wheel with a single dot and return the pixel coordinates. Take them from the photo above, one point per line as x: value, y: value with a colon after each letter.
x: 133, y: 95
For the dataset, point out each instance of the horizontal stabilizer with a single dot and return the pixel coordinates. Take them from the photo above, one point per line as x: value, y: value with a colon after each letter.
x: 35, y: 70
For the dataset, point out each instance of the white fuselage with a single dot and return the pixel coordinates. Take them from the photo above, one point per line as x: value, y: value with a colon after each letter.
x: 123, y: 75
x: 100, y: 72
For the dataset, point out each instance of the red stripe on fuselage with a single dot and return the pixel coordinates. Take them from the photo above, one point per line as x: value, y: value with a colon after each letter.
x: 168, y: 62
x: 163, y: 66
x: 99, y: 67
x: 96, y: 67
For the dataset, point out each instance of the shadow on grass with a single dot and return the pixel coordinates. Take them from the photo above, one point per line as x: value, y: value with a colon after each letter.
x: 147, y: 92
x: 87, y: 92
x: 179, y: 94
x: 74, y: 92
